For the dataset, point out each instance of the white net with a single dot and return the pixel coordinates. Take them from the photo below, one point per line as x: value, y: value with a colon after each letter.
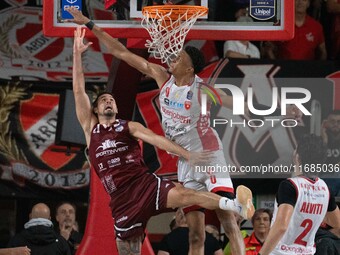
x: 168, y: 33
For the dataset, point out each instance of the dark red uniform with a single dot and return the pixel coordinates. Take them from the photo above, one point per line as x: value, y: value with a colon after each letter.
x: 136, y: 194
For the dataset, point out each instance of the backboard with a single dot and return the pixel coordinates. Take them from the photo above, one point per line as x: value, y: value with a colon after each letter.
x: 267, y: 19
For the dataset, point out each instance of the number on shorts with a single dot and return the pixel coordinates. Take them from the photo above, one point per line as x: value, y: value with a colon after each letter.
x: 307, y: 224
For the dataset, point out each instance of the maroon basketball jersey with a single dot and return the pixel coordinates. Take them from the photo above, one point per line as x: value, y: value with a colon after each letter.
x: 115, y: 155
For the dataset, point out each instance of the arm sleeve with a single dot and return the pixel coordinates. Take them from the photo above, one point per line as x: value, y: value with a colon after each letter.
x: 331, y: 204
x: 286, y: 194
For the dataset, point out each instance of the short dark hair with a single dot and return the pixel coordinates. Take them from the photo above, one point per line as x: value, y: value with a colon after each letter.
x: 262, y: 210
x: 311, y: 150
x: 65, y: 202
x: 334, y: 112
x: 95, y: 102
x: 197, y: 58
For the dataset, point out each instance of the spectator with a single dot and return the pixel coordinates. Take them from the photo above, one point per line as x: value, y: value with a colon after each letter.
x: 15, y: 251
x: 241, y: 49
x: 39, y: 235
x: 308, y: 42
x: 326, y: 241
x: 333, y: 8
x: 66, y: 218
x: 330, y: 133
x: 261, y: 225
x: 177, y: 241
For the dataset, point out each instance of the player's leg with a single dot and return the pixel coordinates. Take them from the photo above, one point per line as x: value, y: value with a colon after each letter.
x: 131, y: 246
x: 232, y: 231
x: 196, y: 223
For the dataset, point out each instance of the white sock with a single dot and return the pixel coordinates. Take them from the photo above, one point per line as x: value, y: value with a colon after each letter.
x: 228, y: 204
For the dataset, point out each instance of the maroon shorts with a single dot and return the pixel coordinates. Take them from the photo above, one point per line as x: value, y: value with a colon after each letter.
x: 134, y: 205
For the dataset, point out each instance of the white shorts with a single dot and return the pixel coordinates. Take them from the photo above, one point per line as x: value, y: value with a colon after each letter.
x: 207, y: 177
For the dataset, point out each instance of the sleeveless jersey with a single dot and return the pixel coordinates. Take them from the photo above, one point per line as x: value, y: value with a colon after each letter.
x: 115, y: 155
x: 309, y: 211
x: 182, y: 120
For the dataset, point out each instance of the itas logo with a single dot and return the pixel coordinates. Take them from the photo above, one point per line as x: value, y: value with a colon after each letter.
x: 109, y: 144
x: 173, y: 104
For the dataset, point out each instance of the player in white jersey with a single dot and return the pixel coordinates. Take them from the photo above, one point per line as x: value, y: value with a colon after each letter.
x: 301, y: 204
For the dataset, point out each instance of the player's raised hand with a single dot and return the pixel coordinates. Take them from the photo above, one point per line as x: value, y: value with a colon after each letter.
x: 78, y: 45
x: 78, y: 17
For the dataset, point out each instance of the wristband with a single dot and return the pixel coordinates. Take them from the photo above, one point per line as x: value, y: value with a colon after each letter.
x: 90, y: 25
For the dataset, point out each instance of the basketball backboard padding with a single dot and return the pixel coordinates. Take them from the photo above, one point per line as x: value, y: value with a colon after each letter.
x: 202, y: 30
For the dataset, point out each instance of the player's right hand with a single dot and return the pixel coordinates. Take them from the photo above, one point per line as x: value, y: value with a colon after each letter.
x: 197, y: 158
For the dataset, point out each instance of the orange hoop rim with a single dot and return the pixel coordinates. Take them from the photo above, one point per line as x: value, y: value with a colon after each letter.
x: 153, y: 11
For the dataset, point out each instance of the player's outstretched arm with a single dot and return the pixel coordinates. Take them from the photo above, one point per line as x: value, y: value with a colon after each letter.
x: 118, y: 50
x: 82, y: 101
x: 138, y: 131
x: 278, y: 229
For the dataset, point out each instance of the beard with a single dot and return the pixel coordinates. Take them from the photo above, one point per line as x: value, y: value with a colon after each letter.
x: 109, y: 113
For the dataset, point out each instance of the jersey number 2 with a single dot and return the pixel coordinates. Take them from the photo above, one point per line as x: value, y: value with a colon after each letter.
x: 307, y: 224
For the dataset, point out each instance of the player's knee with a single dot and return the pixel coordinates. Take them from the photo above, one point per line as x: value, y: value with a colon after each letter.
x: 196, y: 238
x: 185, y: 195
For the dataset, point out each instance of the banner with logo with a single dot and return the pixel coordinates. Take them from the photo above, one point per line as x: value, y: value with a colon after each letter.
x: 245, y: 144
x: 28, y: 154
x: 25, y: 52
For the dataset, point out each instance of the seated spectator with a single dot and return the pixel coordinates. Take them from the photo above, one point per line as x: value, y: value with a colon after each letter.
x: 241, y: 49
x: 177, y: 241
x: 15, y: 251
x: 68, y: 227
x: 261, y: 225
x: 39, y: 235
x: 327, y: 241
x: 330, y: 133
x: 308, y: 42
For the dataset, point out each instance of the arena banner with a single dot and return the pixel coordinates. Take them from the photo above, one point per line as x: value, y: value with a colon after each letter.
x: 26, y: 52
x: 28, y: 154
x: 248, y: 144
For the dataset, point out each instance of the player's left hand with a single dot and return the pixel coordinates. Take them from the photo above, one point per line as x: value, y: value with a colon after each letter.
x: 78, y: 16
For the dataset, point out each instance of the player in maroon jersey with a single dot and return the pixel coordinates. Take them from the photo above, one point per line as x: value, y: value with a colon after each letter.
x: 114, y: 152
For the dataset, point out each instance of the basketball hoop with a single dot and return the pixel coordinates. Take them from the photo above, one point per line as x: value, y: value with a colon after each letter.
x: 168, y: 26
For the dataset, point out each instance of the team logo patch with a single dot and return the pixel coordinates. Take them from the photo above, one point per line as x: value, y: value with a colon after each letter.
x: 187, y: 105
x: 119, y: 129
x: 190, y: 95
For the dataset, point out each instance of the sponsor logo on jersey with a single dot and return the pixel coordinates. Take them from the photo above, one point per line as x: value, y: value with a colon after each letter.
x: 122, y: 219
x: 190, y: 95
x: 187, y: 105
x: 119, y: 129
x: 114, y: 162
x: 173, y: 104
x: 107, y: 144
x: 101, y: 167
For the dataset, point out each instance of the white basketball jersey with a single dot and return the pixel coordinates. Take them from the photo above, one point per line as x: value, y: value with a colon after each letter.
x: 309, y: 211
x: 182, y: 120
